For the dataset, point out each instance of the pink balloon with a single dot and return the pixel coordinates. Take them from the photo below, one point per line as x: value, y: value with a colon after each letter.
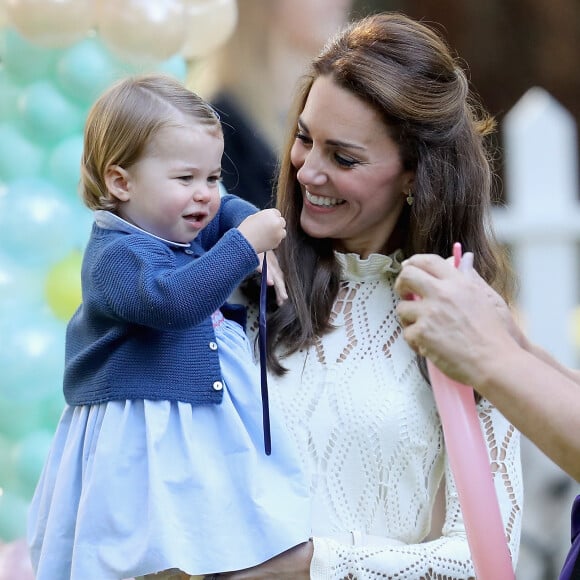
x: 15, y: 561
x: 51, y: 23
x: 471, y: 469
x: 472, y: 472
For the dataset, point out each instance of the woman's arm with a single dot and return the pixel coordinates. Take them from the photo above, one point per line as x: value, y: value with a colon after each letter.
x: 460, y: 323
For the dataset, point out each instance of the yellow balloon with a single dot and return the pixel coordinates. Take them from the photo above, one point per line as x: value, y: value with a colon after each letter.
x: 209, y: 25
x: 63, y: 286
x: 575, y: 327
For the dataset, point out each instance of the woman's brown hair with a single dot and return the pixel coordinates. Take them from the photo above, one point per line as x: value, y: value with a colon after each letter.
x: 406, y: 72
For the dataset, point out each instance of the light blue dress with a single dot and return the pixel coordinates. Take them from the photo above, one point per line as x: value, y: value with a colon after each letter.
x: 134, y: 487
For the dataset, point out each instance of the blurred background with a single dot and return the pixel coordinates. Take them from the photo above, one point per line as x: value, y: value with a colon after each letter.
x: 245, y: 56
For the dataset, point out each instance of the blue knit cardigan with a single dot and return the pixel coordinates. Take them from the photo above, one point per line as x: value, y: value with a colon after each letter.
x: 144, y: 329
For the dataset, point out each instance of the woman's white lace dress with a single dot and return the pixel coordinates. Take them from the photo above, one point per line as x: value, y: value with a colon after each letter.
x: 367, y: 429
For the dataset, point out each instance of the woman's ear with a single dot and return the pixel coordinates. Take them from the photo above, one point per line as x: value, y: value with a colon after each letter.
x: 117, y: 182
x: 409, y: 180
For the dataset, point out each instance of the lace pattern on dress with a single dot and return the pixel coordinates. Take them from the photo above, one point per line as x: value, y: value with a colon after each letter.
x: 365, y: 423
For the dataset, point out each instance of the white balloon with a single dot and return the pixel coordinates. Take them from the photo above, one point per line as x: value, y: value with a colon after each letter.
x: 50, y: 23
x: 142, y: 30
x: 209, y: 25
x: 3, y: 15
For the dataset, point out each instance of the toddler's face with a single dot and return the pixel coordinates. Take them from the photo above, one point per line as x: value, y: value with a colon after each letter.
x: 173, y: 190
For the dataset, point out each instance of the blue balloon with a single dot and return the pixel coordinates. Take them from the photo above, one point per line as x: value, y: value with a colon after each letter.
x: 47, y: 116
x: 19, y: 157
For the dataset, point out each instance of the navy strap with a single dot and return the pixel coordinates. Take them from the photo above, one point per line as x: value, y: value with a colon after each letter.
x: 263, y: 369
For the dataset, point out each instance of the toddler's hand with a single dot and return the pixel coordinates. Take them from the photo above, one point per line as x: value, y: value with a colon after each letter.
x: 264, y: 230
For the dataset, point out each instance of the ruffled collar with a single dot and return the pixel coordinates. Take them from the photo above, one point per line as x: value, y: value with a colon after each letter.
x: 375, y: 267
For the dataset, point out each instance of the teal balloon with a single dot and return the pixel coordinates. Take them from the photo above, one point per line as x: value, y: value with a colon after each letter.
x: 9, y: 95
x: 28, y: 458
x: 85, y: 70
x: 23, y: 415
x: 19, y: 156
x: 38, y: 224
x: 47, y: 116
x: 23, y: 60
x: 175, y: 66
x: 32, y: 354
x: 7, y: 471
x: 64, y: 164
x: 20, y: 286
x: 52, y: 408
x: 13, y: 516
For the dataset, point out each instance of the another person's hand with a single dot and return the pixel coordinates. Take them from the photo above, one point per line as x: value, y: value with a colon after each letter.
x: 275, y: 276
x: 264, y: 229
x: 457, y: 320
x: 294, y: 564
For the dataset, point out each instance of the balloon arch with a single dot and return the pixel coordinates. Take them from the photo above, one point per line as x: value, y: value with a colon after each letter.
x: 56, y: 56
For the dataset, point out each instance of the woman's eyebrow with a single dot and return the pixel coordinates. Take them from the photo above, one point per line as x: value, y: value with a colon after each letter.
x: 334, y: 142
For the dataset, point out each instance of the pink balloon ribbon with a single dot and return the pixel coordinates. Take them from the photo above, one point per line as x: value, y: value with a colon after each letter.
x: 470, y: 465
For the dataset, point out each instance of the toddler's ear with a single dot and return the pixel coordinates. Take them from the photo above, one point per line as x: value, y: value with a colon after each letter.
x: 117, y: 182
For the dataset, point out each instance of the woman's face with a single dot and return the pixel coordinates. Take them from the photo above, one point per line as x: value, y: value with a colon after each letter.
x: 350, y: 170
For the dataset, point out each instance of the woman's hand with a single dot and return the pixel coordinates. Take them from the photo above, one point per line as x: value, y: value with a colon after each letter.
x: 294, y: 564
x: 275, y: 276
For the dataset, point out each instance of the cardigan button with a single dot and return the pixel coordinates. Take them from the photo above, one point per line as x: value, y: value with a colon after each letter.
x: 189, y: 252
x: 213, y: 345
x: 218, y: 386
